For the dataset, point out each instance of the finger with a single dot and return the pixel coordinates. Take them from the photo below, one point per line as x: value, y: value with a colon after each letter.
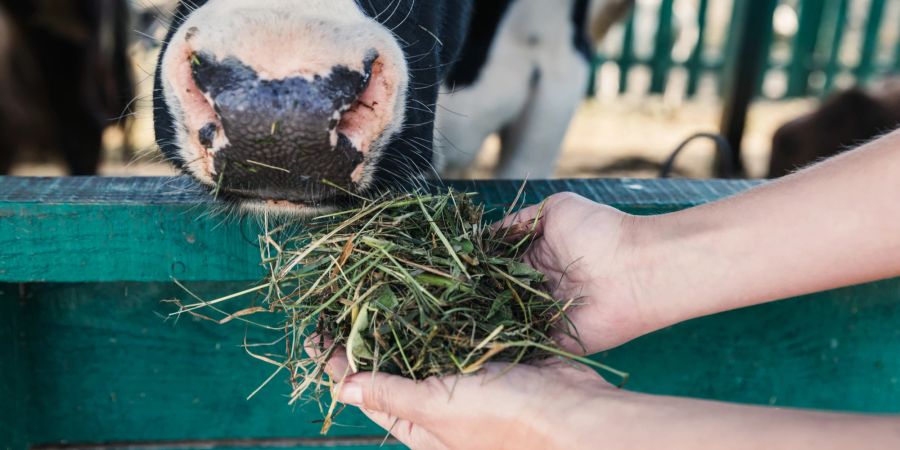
x: 531, y: 219
x: 406, y: 432
x: 393, y: 395
x: 337, y: 366
x: 522, y: 222
x: 316, y: 345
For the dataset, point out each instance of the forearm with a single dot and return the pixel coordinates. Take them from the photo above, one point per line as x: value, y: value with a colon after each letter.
x: 833, y: 225
x: 642, y: 421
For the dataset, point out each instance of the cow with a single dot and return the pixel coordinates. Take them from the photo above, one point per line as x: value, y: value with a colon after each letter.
x: 65, y: 76
x: 844, y: 121
x: 523, y: 74
x: 292, y: 106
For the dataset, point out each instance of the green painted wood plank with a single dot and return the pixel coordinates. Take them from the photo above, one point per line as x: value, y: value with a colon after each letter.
x: 154, y: 229
x: 108, y: 242
x: 869, y: 50
x: 729, y: 49
x: 107, y: 368
x: 803, y: 51
x: 662, y: 52
x: 896, y: 65
x: 627, y: 57
x: 696, y: 65
x: 597, y: 61
x: 836, y: 351
x: 13, y: 370
x: 838, y: 9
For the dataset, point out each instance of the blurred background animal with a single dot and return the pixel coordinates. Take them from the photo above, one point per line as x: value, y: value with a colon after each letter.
x: 65, y: 76
x: 844, y: 121
x: 523, y: 74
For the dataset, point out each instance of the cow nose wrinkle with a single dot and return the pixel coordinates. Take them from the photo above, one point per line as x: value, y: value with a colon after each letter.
x: 282, y: 135
x: 240, y: 96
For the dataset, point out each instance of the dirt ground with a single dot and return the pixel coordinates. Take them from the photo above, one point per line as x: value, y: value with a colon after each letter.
x: 605, y: 133
x: 606, y: 136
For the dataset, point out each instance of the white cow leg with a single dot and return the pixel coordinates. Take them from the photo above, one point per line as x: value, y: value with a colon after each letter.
x: 532, y: 144
x: 458, y: 141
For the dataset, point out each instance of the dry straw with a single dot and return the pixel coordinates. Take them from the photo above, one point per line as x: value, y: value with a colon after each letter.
x: 415, y: 285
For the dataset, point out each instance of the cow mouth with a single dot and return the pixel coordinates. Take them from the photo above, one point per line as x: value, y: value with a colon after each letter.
x: 325, y: 197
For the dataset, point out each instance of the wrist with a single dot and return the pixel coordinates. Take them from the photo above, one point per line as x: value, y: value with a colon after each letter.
x: 675, y: 266
x: 619, y: 413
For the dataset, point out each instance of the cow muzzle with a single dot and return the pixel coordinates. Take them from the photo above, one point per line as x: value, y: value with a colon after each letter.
x: 294, y: 122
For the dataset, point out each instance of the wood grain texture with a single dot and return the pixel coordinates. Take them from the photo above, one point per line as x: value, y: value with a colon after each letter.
x: 108, y: 242
x: 154, y: 229
x: 106, y: 367
x: 835, y: 351
x: 13, y: 369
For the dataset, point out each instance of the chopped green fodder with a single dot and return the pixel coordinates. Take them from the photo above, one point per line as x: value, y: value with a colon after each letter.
x: 414, y: 285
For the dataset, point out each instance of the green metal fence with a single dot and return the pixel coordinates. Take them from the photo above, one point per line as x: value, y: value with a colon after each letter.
x: 827, y: 31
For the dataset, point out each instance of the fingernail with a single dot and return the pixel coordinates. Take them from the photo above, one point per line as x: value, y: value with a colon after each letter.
x: 350, y: 394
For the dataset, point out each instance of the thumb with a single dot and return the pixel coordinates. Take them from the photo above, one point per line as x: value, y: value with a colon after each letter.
x: 389, y: 394
x: 532, y: 219
x: 522, y: 222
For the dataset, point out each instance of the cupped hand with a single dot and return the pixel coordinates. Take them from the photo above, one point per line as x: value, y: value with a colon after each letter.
x: 560, y: 405
x: 522, y: 407
x: 588, y: 252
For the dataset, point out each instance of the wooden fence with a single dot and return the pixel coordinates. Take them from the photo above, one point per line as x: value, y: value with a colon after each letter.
x: 88, y: 360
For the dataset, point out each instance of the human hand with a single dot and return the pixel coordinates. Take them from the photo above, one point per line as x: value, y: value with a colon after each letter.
x: 588, y: 251
x: 521, y: 407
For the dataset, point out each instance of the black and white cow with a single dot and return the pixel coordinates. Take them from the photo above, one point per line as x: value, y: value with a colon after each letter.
x: 265, y: 101
x: 523, y: 74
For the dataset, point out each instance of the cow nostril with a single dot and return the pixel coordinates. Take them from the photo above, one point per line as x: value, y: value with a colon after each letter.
x: 369, y: 63
x: 196, y: 59
x: 199, y: 70
x: 207, y: 135
x: 368, y: 115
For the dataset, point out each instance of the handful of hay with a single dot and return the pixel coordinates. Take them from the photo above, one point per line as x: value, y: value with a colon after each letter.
x: 413, y: 285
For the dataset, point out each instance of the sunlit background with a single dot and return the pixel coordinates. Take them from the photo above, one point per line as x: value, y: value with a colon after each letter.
x: 655, y: 86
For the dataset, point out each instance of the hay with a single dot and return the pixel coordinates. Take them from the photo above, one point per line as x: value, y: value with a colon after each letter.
x: 413, y: 285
